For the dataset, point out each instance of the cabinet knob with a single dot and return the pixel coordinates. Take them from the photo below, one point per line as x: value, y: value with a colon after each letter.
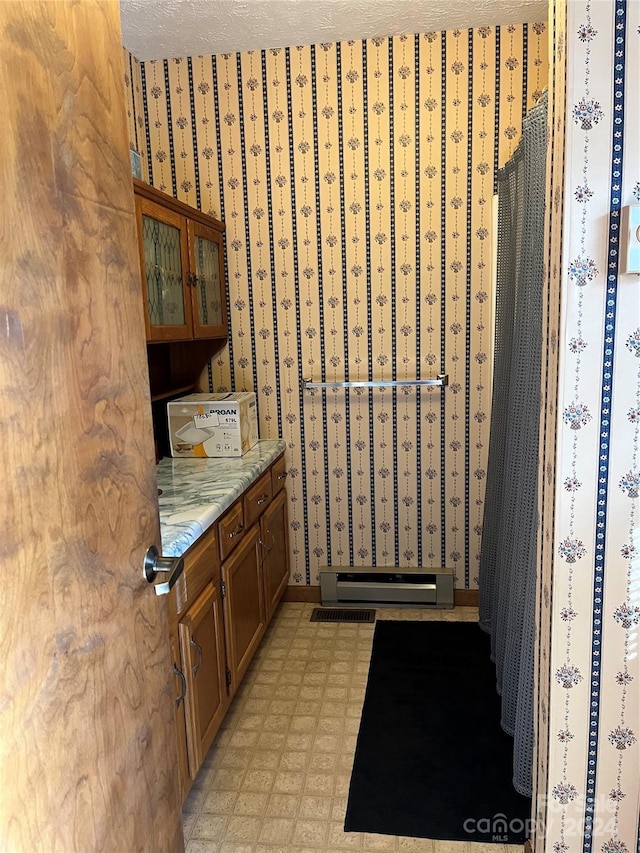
x: 237, y: 531
x: 282, y: 475
x: 262, y: 499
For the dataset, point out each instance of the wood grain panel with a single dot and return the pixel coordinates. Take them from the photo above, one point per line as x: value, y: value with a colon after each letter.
x: 86, y: 716
x: 244, y: 613
x: 310, y: 594
x: 466, y: 597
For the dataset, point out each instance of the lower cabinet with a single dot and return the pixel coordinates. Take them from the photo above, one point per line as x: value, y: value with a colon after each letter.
x: 202, y: 650
x: 275, y: 551
x: 234, y: 577
x: 244, y: 613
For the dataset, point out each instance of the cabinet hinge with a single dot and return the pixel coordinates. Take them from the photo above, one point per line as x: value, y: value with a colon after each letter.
x: 228, y: 678
x: 223, y: 589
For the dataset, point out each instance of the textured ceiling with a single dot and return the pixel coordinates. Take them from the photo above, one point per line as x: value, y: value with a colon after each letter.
x: 160, y: 29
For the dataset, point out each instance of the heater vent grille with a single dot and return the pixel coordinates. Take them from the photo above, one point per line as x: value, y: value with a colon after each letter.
x: 342, y: 614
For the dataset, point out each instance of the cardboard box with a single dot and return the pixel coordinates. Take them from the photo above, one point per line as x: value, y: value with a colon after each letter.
x: 213, y: 424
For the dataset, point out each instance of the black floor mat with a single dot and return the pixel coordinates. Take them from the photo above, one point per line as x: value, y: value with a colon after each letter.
x: 431, y: 759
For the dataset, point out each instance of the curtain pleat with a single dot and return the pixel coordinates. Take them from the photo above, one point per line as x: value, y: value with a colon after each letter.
x: 508, y: 559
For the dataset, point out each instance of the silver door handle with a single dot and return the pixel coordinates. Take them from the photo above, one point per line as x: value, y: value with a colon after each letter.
x: 153, y: 564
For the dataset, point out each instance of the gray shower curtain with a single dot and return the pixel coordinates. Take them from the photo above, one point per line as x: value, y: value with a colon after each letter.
x: 508, y: 553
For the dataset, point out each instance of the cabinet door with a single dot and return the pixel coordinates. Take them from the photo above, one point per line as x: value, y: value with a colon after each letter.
x: 202, y: 646
x: 244, y: 617
x: 181, y: 718
x: 164, y: 263
x: 275, y: 551
x: 207, y: 290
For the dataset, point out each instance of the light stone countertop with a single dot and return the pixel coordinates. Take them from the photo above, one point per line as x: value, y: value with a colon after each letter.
x: 195, y: 492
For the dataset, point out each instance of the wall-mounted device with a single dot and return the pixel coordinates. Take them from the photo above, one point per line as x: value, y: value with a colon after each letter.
x: 630, y: 239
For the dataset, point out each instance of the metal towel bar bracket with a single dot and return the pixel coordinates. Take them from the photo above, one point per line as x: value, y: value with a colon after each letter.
x: 441, y: 380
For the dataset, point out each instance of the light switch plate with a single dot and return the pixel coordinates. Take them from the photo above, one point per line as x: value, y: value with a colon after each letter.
x: 630, y: 239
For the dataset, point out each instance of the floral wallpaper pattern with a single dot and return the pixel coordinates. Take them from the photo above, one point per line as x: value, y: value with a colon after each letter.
x: 355, y: 181
x: 594, y: 599
x: 587, y: 773
x: 135, y: 109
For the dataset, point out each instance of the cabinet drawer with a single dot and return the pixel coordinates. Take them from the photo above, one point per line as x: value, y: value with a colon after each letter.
x: 257, y: 498
x: 278, y: 475
x: 230, y: 529
x: 201, y: 566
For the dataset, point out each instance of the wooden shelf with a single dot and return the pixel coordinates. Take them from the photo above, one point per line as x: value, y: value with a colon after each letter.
x: 172, y: 392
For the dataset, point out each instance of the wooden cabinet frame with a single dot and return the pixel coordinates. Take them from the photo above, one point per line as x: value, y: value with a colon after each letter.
x: 177, y: 354
x: 191, y: 223
x: 218, y: 613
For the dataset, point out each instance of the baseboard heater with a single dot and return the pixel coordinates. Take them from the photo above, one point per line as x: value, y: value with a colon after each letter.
x: 386, y: 585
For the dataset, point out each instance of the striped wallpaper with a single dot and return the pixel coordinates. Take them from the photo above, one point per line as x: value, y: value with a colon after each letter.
x: 589, y: 616
x: 588, y: 667
x: 356, y: 182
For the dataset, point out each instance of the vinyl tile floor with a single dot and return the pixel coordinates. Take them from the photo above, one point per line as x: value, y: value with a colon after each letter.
x: 277, y: 777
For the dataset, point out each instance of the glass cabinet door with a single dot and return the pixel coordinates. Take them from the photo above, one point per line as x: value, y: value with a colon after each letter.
x: 164, y: 259
x: 209, y: 310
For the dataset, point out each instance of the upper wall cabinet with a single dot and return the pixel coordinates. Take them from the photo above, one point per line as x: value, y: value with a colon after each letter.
x: 182, y: 265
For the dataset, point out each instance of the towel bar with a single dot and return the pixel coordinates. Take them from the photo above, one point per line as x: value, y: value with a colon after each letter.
x: 441, y: 380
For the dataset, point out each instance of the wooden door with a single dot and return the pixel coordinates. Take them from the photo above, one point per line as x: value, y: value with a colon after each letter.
x: 244, y: 617
x: 275, y: 550
x: 208, y: 304
x: 202, y: 646
x: 87, y: 743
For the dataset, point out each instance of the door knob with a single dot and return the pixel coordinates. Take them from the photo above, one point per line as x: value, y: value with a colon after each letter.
x: 153, y: 564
